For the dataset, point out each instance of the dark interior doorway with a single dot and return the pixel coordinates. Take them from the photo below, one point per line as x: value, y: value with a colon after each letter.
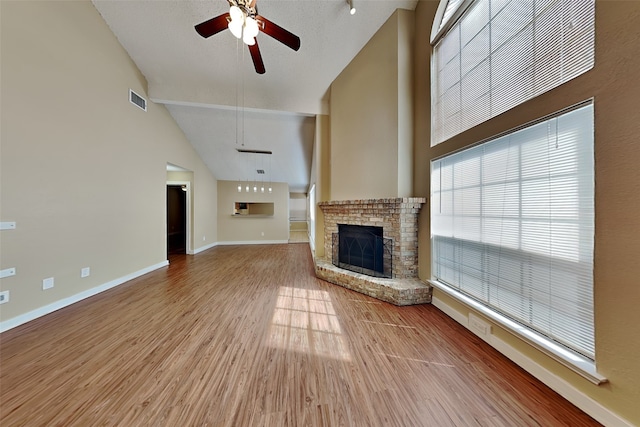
x: 176, y: 220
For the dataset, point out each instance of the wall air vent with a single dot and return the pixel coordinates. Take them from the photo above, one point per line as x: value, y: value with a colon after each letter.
x: 137, y: 100
x: 260, y: 171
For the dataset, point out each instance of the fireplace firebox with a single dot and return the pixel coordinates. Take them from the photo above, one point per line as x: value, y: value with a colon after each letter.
x: 362, y: 249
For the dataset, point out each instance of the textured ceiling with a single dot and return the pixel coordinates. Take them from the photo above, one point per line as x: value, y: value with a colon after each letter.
x: 214, y: 94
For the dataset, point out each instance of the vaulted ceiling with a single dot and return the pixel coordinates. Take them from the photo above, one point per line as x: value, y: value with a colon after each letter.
x: 211, y: 89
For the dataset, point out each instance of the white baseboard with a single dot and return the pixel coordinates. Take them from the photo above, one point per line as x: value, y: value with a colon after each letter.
x: 204, y: 248
x: 50, y: 308
x: 254, y: 242
x: 559, y: 385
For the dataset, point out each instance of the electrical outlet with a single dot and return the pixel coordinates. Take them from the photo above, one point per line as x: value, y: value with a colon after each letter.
x: 7, y: 272
x: 204, y: 238
x: 4, y: 297
x: 47, y: 283
x: 85, y: 272
x: 262, y: 233
x: 479, y: 326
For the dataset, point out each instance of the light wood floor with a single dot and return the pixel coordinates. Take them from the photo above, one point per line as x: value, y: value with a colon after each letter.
x: 298, y: 236
x: 247, y: 336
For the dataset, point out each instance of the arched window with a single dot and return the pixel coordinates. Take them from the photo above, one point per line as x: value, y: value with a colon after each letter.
x: 492, y: 55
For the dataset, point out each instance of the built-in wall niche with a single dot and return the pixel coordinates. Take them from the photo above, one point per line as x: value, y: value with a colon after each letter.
x: 253, y: 209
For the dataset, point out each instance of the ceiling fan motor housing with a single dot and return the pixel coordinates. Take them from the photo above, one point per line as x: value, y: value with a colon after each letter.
x: 248, y: 7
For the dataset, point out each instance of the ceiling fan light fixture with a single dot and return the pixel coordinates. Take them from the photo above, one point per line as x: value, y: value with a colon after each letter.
x: 236, y: 14
x: 251, y: 27
x: 249, y: 41
x: 243, y: 26
x: 236, y: 28
x: 250, y: 31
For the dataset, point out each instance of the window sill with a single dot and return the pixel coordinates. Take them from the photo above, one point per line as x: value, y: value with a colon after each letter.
x: 579, y: 364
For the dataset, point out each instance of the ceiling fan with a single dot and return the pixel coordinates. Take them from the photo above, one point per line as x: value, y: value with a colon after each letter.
x: 245, y: 23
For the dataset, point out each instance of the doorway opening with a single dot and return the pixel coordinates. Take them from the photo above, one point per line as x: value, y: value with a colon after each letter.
x: 177, y: 196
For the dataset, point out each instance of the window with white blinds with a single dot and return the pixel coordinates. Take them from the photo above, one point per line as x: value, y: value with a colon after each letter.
x: 512, y: 225
x: 450, y: 9
x: 501, y: 53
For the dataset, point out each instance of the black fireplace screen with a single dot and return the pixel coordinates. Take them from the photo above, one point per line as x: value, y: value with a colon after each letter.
x: 362, y: 249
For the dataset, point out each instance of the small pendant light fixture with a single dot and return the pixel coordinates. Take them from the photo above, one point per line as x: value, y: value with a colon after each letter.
x: 352, y: 9
x: 260, y: 171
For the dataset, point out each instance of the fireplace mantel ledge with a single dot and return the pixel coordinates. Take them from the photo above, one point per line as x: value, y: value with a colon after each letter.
x: 397, y: 200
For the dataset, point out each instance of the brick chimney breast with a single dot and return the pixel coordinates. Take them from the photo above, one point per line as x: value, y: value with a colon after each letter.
x: 398, y: 218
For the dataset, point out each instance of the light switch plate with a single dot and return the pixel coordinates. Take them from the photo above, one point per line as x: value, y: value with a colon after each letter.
x: 48, y: 283
x: 7, y: 272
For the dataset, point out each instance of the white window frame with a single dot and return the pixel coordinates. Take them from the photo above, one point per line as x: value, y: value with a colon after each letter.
x: 581, y: 364
x: 445, y: 19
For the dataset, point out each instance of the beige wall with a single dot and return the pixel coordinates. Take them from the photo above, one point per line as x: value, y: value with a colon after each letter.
x: 371, y: 123
x: 424, y: 15
x: 247, y: 229
x: 321, y: 177
x: 406, y: 99
x: 298, y: 206
x: 83, y: 171
x: 613, y: 85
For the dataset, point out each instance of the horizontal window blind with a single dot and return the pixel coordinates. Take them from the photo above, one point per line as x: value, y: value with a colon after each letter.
x: 512, y: 225
x: 450, y: 9
x: 501, y: 53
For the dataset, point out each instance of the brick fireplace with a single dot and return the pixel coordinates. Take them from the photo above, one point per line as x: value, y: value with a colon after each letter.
x: 398, y: 218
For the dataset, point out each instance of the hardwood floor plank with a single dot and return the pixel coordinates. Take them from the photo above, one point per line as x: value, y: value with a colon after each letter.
x: 248, y: 336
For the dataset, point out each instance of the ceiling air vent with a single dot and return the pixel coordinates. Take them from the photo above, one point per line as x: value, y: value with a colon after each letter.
x: 137, y: 100
x: 260, y: 171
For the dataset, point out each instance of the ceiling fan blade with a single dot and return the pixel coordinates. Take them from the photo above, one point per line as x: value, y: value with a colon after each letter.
x: 213, y: 25
x: 278, y: 33
x: 257, y: 58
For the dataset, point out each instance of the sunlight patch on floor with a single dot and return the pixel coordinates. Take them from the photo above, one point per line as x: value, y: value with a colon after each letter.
x: 305, y: 321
